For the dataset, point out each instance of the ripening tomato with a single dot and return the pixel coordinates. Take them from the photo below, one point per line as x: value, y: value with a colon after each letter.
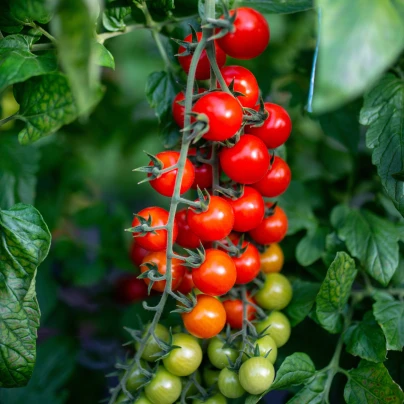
x: 137, y: 253
x: 256, y: 375
x: 248, y: 210
x: 206, y: 319
x: 247, y: 161
x: 244, y: 82
x: 234, y: 312
x: 272, y: 229
x: 250, y: 36
x: 272, y: 259
x: 160, y: 259
x: 203, y: 67
x: 178, y: 109
x: 203, y: 172
x: 215, y: 223
x: 276, y: 181
x: 157, y: 240
x: 164, y: 388
x: 217, y: 275
x: 277, y: 127
x: 130, y: 289
x: 276, y: 325
x: 186, y: 237
x: 224, y: 112
x: 276, y: 293
x: 165, y: 183
x: 187, y: 283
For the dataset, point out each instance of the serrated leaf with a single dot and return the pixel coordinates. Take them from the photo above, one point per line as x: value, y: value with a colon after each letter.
x: 103, y: 56
x: 304, y: 296
x: 25, y: 242
x: 28, y: 11
x: 334, y: 292
x: 358, y: 40
x: 366, y: 340
x: 314, y: 392
x: 114, y: 15
x: 383, y: 112
x: 277, y: 6
x: 18, y: 64
x: 371, y: 239
x: 390, y: 316
x: 311, y: 247
x: 371, y: 383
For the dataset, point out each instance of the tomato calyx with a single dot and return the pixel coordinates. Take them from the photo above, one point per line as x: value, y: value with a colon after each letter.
x: 235, y: 191
x: 202, y: 205
x: 233, y: 91
x: 270, y: 209
x: 189, y: 46
x: 198, y: 127
x: 234, y: 249
x: 144, y: 227
x: 224, y: 24
x: 256, y: 118
x: 195, y: 258
x: 186, y: 303
x: 152, y: 273
x: 155, y: 170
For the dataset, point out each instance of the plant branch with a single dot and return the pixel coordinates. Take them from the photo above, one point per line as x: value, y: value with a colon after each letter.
x: 43, y: 32
x: 8, y: 119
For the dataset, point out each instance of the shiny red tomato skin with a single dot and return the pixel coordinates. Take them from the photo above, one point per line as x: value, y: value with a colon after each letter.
x: 217, y: 275
x: 186, y: 237
x: 246, y: 162
x: 130, y: 289
x: 137, y: 253
x: 187, y: 283
x: 203, y: 67
x: 244, y: 82
x: 213, y: 224
x: 165, y: 184
x: 158, y: 240
x: 272, y: 229
x: 224, y: 112
x: 277, y: 127
x: 276, y: 181
x: 179, y: 110
x: 203, y: 172
x: 248, y: 210
x: 234, y: 312
x: 250, y: 37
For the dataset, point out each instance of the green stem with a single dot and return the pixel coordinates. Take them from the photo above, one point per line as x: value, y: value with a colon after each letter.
x: 162, y: 50
x: 8, y: 119
x: 101, y: 38
x: 43, y: 32
x: 42, y: 46
x: 210, y: 50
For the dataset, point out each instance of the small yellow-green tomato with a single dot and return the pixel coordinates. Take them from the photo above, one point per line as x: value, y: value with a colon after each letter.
x: 142, y: 400
x: 164, y: 388
x: 136, y: 378
x: 276, y: 293
x: 210, y: 376
x: 229, y: 384
x: 218, y: 354
x: 151, y: 345
x: 266, y: 344
x: 186, y: 359
x: 277, y: 326
x: 218, y: 398
x: 256, y: 375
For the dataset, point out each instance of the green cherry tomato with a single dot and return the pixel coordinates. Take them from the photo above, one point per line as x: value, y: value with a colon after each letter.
x: 210, y: 376
x: 256, y: 375
x: 218, y: 354
x: 142, y: 400
x: 229, y: 384
x: 121, y: 399
x: 136, y: 378
x: 151, y: 345
x: 276, y: 293
x: 164, y: 388
x: 277, y: 326
x: 218, y: 398
x: 265, y: 344
x: 186, y: 359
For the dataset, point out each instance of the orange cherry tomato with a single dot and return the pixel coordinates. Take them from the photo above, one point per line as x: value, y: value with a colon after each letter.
x: 272, y: 259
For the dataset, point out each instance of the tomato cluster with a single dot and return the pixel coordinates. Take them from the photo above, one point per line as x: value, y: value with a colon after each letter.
x: 237, y: 232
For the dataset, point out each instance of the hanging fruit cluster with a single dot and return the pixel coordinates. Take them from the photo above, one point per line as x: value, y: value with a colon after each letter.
x: 218, y: 255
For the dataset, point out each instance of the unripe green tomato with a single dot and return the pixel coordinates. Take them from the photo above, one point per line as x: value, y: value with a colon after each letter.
x: 256, y: 375
x: 192, y: 391
x: 278, y: 327
x: 276, y: 293
x: 229, y: 384
x: 218, y: 398
x: 152, y: 347
x: 217, y: 354
x: 142, y: 400
x: 121, y: 399
x: 185, y: 360
x: 210, y: 376
x: 266, y: 344
x: 164, y: 388
x: 136, y: 378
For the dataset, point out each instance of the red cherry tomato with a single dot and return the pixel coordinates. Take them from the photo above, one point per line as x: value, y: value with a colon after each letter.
x: 224, y: 112
x: 272, y: 229
x: 213, y: 224
x: 187, y: 283
x: 156, y: 241
x: 206, y: 319
x: 130, y: 289
x: 179, y: 110
x: 186, y: 237
x: 250, y: 36
x: 234, y: 312
x: 203, y: 172
x: 165, y: 184
x: 203, y: 67
x: 248, y: 210
x: 244, y: 82
x: 247, y: 161
x: 277, y: 127
x: 160, y: 259
x: 137, y: 253
x: 217, y: 275
x: 276, y: 181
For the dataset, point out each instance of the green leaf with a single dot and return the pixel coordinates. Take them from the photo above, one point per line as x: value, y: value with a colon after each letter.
x: 383, y: 112
x: 371, y: 239
x: 333, y: 244
x: 25, y: 242
x: 367, y: 34
x: 18, y: 64
x: 371, y: 383
x: 18, y: 167
x: 314, y: 392
x: 77, y: 48
x: 277, y: 6
x: 366, y: 340
x: 304, y: 296
x: 103, y: 56
x: 390, y: 316
x: 171, y: 135
x: 334, y: 292
x: 8, y: 23
x: 311, y: 247
x: 113, y: 16
x: 28, y: 11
